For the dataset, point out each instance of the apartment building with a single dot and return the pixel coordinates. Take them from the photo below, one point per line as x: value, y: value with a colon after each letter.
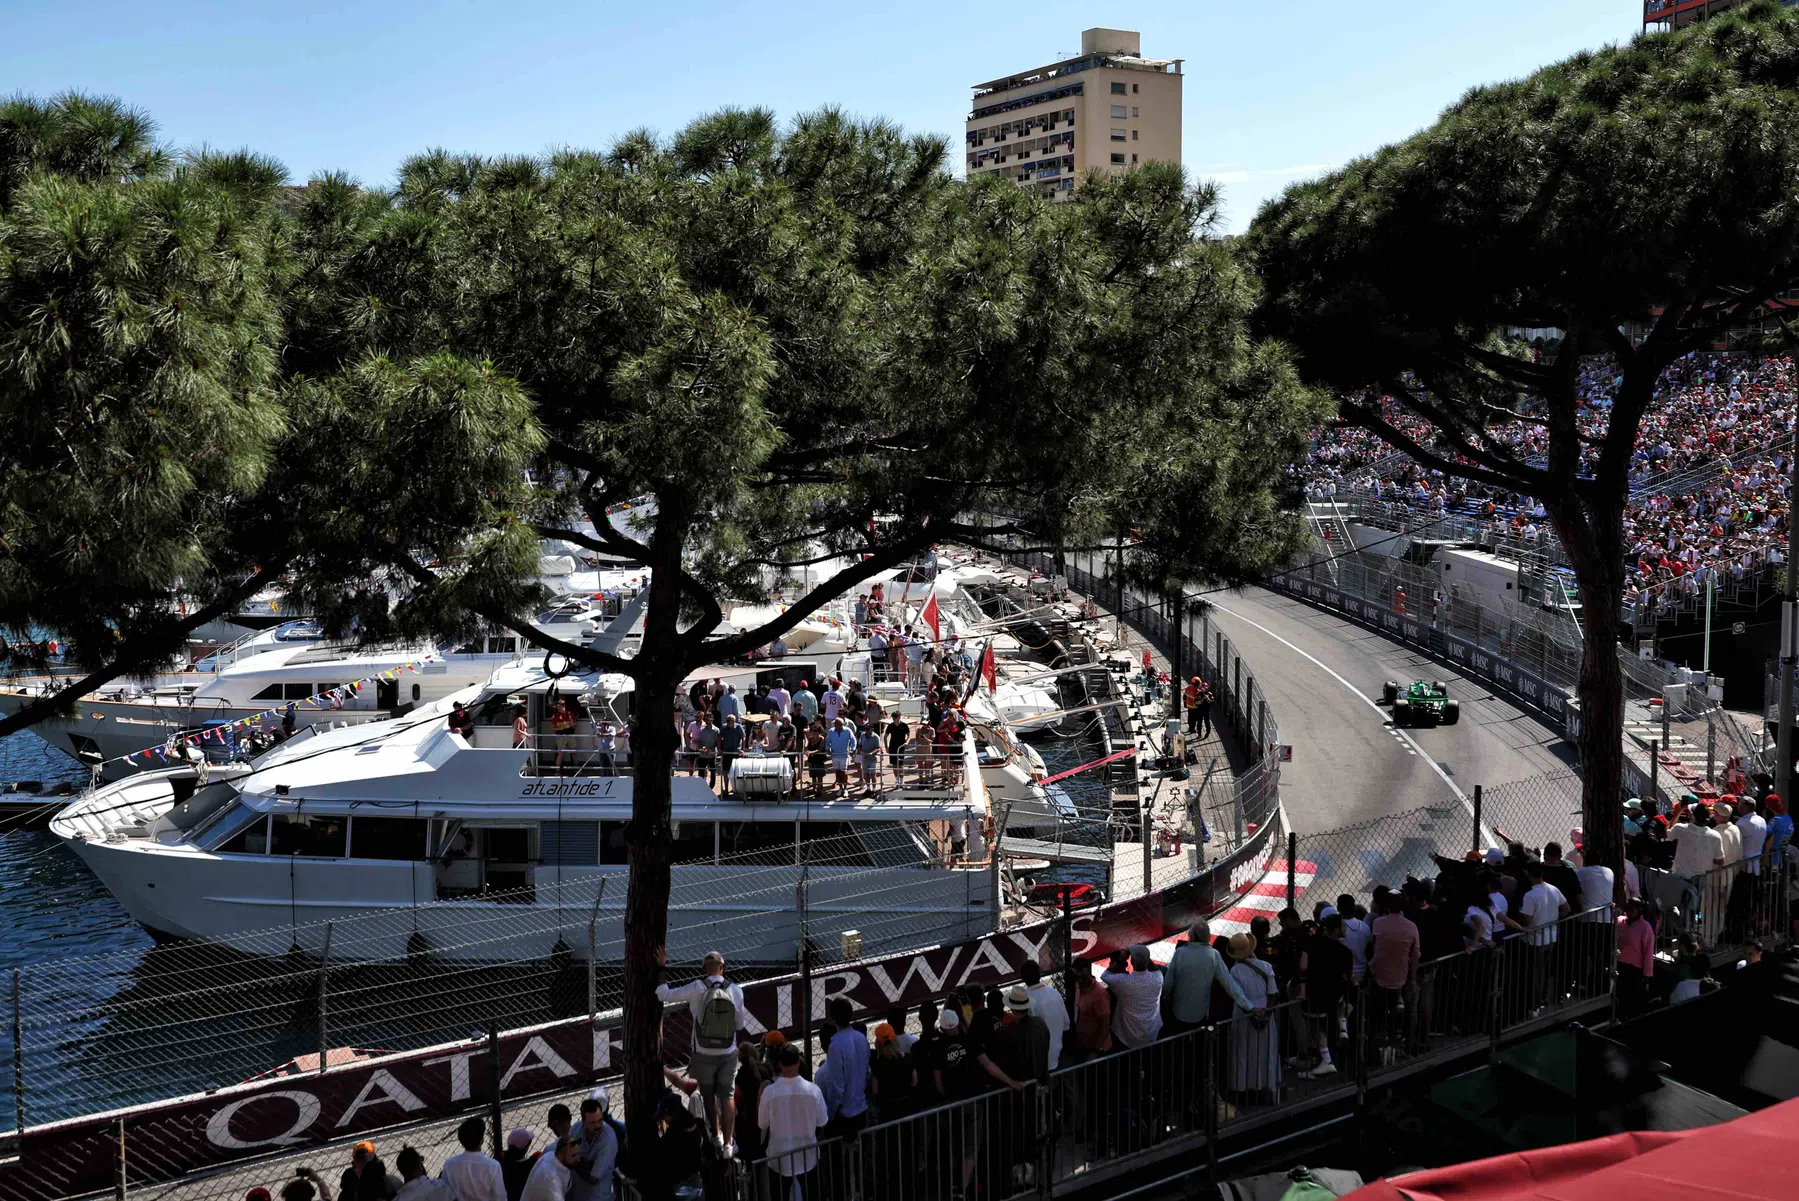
x: 1109, y: 109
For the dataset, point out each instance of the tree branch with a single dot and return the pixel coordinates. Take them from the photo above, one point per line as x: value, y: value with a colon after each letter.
x: 879, y: 560
x: 586, y: 655
x: 132, y: 651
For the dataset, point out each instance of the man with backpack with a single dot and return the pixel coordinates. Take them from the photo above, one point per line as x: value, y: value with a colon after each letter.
x: 718, y: 1014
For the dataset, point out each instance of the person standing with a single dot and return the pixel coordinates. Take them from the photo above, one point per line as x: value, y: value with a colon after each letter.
x: 1190, y: 700
x: 415, y: 1184
x: 1046, y: 1003
x: 839, y: 743
x: 898, y: 734
x: 1393, y: 962
x: 868, y: 758
x: 1193, y: 971
x: 805, y: 705
x: 472, y: 1174
x: 783, y: 699
x: 367, y: 1178
x: 591, y: 1174
x: 550, y: 1176
x: 562, y: 729
x: 718, y: 1014
x: 516, y: 1163
x: 1746, y: 899
x: 792, y: 1115
x: 844, y: 1075
x: 729, y: 705
x: 1542, y: 907
x: 893, y: 1074
x: 1636, y: 959
x: 1255, y: 1052
x: 730, y: 746
x: 1136, y: 996
x: 1326, y: 976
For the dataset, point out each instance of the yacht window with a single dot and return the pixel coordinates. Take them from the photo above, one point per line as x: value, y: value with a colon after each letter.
x: 387, y: 837
x: 693, y: 843
x: 299, y: 692
x: 209, y: 802
x: 271, y: 693
x: 319, y: 836
x: 613, y: 849
x: 251, y: 835
x: 571, y: 844
x: 833, y: 844
x: 762, y: 843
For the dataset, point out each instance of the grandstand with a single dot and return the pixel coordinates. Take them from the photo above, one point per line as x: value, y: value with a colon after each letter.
x: 1673, y: 14
x: 1708, y: 499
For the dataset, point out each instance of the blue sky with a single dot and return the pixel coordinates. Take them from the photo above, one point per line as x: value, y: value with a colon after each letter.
x: 1276, y: 90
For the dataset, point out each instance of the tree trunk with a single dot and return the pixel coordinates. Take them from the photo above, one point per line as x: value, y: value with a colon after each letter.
x: 653, y: 748
x: 657, y: 670
x: 1594, y: 542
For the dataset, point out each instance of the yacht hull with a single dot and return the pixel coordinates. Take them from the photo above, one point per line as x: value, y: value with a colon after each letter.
x: 370, y: 911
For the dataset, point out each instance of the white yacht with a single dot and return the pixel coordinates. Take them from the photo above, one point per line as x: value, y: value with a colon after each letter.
x: 262, y: 674
x: 528, y: 839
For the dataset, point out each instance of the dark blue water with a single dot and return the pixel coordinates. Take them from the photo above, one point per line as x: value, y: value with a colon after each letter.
x: 51, y: 907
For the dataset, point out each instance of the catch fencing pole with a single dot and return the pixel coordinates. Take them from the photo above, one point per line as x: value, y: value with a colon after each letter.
x: 494, y: 1115
x: 18, y: 1061
x: 1292, y: 855
x: 325, y: 1002
x: 1477, y: 839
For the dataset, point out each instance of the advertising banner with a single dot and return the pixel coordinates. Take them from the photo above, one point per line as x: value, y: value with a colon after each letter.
x: 170, y: 1138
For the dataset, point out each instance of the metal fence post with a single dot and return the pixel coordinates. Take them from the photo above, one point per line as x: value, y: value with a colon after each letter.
x: 1069, y: 1000
x: 325, y: 1001
x: 1655, y: 759
x: 1143, y: 835
x: 494, y: 1117
x: 1209, y: 1097
x: 1237, y: 693
x: 118, y: 1183
x: 1711, y: 745
x: 1292, y: 854
x: 1477, y: 846
x: 18, y: 1061
x: 593, y: 976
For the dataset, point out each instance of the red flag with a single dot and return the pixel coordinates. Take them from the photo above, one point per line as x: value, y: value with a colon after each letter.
x: 990, y: 669
x: 928, y: 615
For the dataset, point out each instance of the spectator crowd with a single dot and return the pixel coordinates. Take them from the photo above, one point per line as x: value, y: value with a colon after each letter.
x: 1708, y: 475
x: 1508, y: 934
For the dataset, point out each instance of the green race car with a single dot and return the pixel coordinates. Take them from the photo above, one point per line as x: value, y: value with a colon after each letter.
x: 1420, y: 703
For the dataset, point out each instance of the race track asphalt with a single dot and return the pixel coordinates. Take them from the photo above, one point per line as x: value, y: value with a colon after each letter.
x: 1319, y: 673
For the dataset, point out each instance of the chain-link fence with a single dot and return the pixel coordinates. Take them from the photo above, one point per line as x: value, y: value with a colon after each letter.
x: 1204, y: 650
x: 192, y: 1016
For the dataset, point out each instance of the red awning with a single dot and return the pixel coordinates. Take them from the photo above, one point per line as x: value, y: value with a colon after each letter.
x: 1750, y: 1159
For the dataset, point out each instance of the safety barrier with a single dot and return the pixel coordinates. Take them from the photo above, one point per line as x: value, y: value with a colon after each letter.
x: 1194, y: 1088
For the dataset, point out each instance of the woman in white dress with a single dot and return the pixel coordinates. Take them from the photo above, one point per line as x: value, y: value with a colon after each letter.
x: 1255, y: 1054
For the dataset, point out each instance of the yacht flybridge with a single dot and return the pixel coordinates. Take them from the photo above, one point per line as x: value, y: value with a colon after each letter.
x: 483, y: 824
x: 258, y: 677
